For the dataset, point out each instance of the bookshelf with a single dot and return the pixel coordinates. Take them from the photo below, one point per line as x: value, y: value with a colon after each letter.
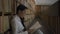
x: 7, y: 8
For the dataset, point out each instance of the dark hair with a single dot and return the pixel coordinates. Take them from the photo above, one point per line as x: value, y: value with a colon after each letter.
x: 21, y: 8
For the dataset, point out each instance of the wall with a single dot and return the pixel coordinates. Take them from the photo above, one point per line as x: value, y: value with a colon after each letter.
x: 53, y: 10
x: 49, y: 19
x: 45, y: 2
x: 50, y: 24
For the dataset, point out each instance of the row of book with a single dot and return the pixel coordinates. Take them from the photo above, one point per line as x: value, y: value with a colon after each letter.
x: 4, y: 23
x: 5, y: 5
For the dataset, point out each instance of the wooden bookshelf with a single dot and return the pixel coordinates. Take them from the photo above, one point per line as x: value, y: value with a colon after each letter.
x: 7, y: 8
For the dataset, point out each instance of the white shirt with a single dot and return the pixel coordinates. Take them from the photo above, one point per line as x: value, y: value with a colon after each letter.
x: 17, y: 25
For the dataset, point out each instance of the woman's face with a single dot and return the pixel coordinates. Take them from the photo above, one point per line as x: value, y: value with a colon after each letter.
x: 22, y: 13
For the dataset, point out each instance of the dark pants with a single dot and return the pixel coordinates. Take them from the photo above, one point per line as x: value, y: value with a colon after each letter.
x: 9, y: 30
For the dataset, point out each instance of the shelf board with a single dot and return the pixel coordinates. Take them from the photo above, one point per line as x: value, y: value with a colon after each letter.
x: 6, y: 14
x: 0, y: 13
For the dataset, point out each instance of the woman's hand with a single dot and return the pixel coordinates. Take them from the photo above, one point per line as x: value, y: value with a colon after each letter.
x: 30, y: 30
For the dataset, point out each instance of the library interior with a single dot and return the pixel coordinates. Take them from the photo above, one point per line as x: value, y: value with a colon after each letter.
x: 40, y: 17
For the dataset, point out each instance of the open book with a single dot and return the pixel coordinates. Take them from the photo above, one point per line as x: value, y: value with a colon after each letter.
x: 25, y: 32
x: 35, y: 26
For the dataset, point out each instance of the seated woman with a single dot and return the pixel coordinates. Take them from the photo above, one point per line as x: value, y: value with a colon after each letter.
x: 18, y: 21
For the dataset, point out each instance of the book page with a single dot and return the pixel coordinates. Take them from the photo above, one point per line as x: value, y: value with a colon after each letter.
x: 35, y: 27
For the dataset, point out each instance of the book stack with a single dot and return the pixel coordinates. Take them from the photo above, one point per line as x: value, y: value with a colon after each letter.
x: 32, y: 4
x: 29, y: 16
